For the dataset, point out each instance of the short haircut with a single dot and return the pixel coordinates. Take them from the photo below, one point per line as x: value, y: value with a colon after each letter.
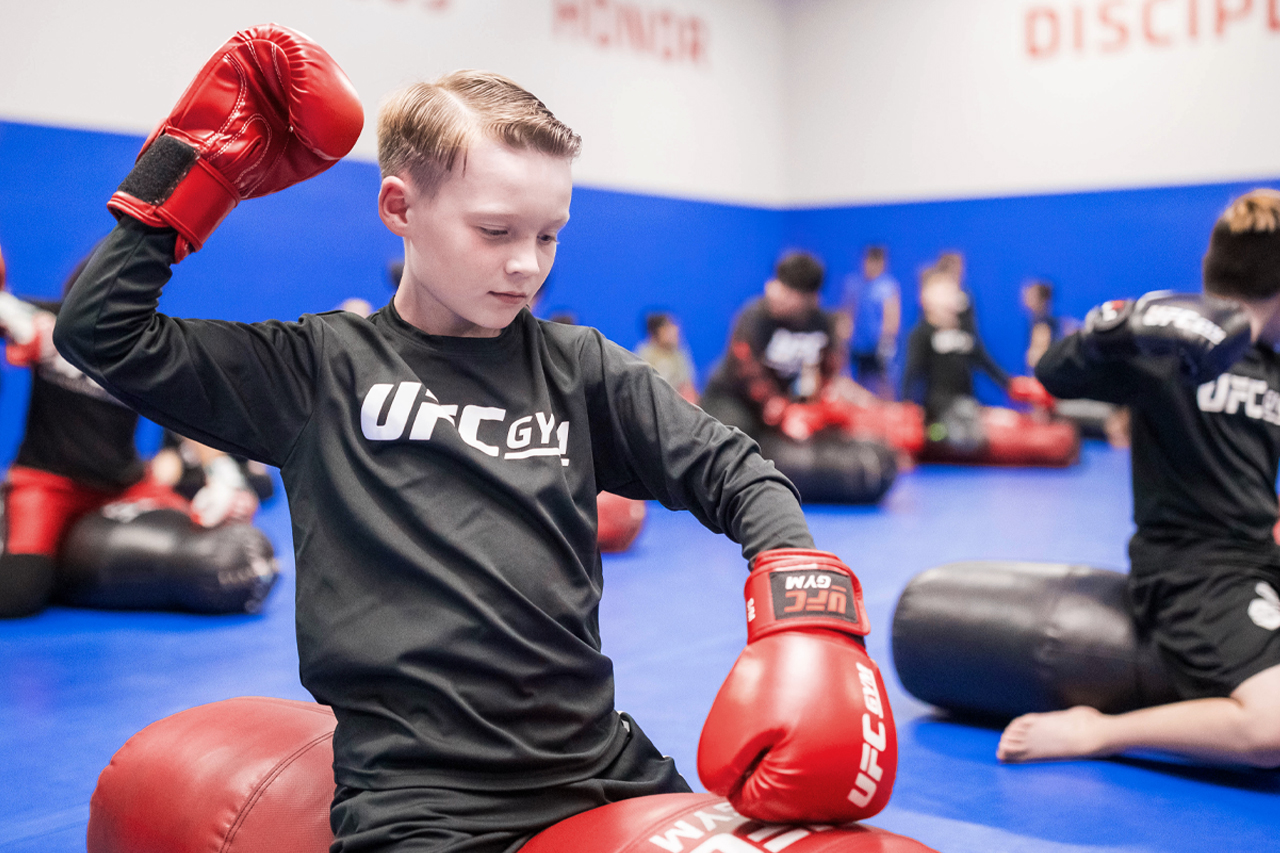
x: 654, y: 322
x: 800, y: 271
x: 1042, y: 289
x: 1243, y: 260
x: 424, y: 127
x: 936, y: 273
x: 874, y: 253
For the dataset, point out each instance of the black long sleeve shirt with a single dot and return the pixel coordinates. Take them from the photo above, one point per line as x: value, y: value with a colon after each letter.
x: 1204, y: 458
x: 442, y: 492
x: 76, y: 429
x: 771, y: 357
x: 940, y: 364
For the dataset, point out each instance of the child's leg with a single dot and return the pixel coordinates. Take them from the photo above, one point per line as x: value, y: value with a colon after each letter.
x: 39, y: 508
x: 1243, y: 728
x: 440, y: 820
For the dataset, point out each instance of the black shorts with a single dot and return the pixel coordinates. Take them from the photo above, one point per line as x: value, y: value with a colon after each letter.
x: 867, y: 365
x: 1212, y: 611
x: 446, y: 820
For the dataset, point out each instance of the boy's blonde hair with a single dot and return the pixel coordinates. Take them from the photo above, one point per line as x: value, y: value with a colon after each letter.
x: 423, y: 128
x: 1243, y: 260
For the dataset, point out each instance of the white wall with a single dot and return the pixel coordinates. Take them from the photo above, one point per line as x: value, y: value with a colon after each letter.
x: 693, y: 111
x: 910, y: 99
x: 806, y: 102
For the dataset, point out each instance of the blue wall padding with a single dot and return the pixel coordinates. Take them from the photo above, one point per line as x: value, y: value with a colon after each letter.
x: 1093, y: 247
x: 621, y: 255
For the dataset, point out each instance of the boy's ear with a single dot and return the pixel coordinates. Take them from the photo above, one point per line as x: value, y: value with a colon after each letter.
x: 393, y: 204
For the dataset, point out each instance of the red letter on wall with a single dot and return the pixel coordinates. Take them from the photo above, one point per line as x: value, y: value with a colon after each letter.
x: 1119, y: 29
x: 1148, y: 24
x: 1042, y: 32
x: 1224, y: 14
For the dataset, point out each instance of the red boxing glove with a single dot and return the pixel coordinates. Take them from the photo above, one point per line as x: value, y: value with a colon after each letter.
x: 270, y: 109
x: 800, y: 421
x: 801, y: 730
x: 1027, y: 389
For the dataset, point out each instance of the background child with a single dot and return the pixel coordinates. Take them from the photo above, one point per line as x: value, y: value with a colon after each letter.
x: 1205, y: 568
x: 662, y: 349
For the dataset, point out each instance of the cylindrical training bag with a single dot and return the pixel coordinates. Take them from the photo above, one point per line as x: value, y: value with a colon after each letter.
x: 832, y: 468
x: 129, y: 556
x: 619, y: 521
x: 1007, y: 638
x: 246, y: 775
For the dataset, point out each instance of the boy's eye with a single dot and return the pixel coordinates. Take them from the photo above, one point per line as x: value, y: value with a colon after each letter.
x: 494, y: 232
x: 549, y: 238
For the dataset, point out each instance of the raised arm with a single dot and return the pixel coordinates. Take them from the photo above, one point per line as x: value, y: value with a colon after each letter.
x: 269, y: 109
x: 1161, y: 337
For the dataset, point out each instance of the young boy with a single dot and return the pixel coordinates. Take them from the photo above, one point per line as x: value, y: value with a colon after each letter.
x: 663, y: 351
x: 782, y: 348
x: 1205, y: 568
x: 943, y: 351
x: 441, y: 457
x: 871, y: 306
x: 1037, y: 298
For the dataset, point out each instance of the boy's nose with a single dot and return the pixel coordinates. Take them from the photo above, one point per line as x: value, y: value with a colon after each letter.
x: 523, y: 260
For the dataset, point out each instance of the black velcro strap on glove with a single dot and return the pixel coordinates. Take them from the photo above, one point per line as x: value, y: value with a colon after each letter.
x: 159, y: 170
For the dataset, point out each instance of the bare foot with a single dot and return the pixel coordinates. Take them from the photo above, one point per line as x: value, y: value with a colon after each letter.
x: 1072, y: 733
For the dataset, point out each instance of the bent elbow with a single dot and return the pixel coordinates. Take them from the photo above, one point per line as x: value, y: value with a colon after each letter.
x: 72, y: 340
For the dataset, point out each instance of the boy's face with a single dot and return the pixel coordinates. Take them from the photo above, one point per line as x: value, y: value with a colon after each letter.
x: 668, y: 336
x: 1031, y: 300
x: 478, y: 250
x: 941, y: 301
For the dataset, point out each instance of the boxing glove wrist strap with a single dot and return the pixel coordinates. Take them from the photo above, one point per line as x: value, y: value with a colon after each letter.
x: 800, y: 588
x: 171, y: 186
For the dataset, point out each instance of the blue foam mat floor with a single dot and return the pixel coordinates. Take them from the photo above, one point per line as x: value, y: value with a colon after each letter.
x: 76, y: 684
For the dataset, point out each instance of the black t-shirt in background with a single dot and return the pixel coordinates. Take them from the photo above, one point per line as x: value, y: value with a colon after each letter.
x: 1204, y: 458
x: 940, y: 364
x: 76, y: 429
x: 781, y: 356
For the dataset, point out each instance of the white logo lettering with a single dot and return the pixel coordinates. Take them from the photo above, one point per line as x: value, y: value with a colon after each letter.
x: 381, y: 420
x: 1185, y: 320
x: 875, y: 740
x: 1265, y: 609
x: 428, y: 413
x: 670, y: 840
x: 545, y: 423
x: 393, y: 427
x: 952, y: 340
x: 789, y: 353
x: 521, y: 433
x: 808, y: 582
x: 469, y: 426
x: 1231, y: 394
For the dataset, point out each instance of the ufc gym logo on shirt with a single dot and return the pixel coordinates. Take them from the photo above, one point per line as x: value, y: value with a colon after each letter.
x: 417, y: 410
x: 1230, y: 394
x: 790, y: 352
x: 952, y: 340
